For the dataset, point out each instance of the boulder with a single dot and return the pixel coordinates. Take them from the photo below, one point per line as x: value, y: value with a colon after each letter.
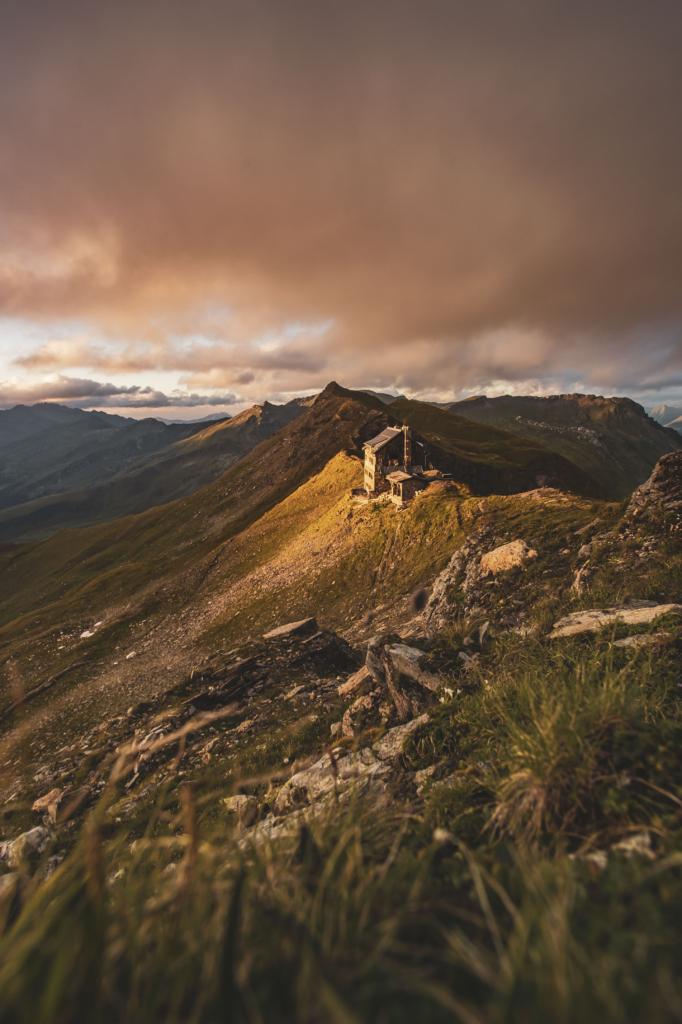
x: 636, y: 845
x: 465, y: 570
x: 361, y: 772
x: 292, y: 629
x: 507, y: 556
x: 26, y: 847
x: 48, y: 803
x: 591, y: 621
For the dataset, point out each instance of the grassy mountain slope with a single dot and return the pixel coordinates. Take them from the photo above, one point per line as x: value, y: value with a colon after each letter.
x: 611, y: 439
x: 162, y: 463
x: 491, y: 887
x: 489, y: 460
x: 138, y: 574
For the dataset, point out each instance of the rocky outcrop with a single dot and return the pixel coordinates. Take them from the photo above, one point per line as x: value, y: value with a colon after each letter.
x: 337, y: 773
x: 661, y: 494
x: 355, y: 683
x: 403, y: 673
x: 470, y: 564
x: 390, y: 746
x: 246, y: 807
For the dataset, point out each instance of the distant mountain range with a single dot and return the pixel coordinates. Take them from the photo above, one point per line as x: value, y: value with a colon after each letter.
x: 259, y: 505
x: 62, y: 467
x: 611, y: 439
x: 668, y: 415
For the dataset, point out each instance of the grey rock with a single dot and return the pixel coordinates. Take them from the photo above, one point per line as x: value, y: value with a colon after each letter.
x: 26, y: 847
x: 581, y: 580
x: 403, y: 673
x: 391, y: 745
x: 641, y: 640
x: 585, y: 551
x: 587, y: 528
x: 361, y: 772
x: 662, y: 489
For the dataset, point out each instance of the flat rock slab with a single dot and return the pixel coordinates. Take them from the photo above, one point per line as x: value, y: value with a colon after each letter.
x: 641, y: 640
x: 355, y: 682
x: 507, y: 556
x: 593, y: 620
x: 292, y: 629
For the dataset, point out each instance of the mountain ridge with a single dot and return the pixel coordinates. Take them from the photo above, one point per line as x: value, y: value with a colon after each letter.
x: 614, y: 440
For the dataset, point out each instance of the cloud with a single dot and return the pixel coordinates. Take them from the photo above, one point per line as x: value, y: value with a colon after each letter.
x: 89, y: 393
x: 464, y: 192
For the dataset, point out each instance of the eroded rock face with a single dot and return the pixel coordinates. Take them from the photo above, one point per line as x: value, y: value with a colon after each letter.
x: 593, y: 620
x: 581, y: 579
x: 661, y: 493
x: 403, y: 673
x: 473, y: 562
x: 245, y: 806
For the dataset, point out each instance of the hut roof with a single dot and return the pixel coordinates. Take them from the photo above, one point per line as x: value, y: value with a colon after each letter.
x: 383, y: 438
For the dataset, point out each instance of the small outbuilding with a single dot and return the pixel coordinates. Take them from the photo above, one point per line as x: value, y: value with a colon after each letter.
x: 404, y: 486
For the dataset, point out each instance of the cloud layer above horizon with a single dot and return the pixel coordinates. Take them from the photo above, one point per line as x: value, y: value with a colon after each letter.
x: 258, y: 197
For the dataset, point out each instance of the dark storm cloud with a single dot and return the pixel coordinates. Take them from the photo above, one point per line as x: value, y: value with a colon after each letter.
x: 420, y: 175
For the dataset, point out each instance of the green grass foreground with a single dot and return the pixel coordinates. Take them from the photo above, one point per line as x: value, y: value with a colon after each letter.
x: 473, y: 902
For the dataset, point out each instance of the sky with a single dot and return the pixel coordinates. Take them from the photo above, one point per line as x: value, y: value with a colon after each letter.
x: 207, y: 204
